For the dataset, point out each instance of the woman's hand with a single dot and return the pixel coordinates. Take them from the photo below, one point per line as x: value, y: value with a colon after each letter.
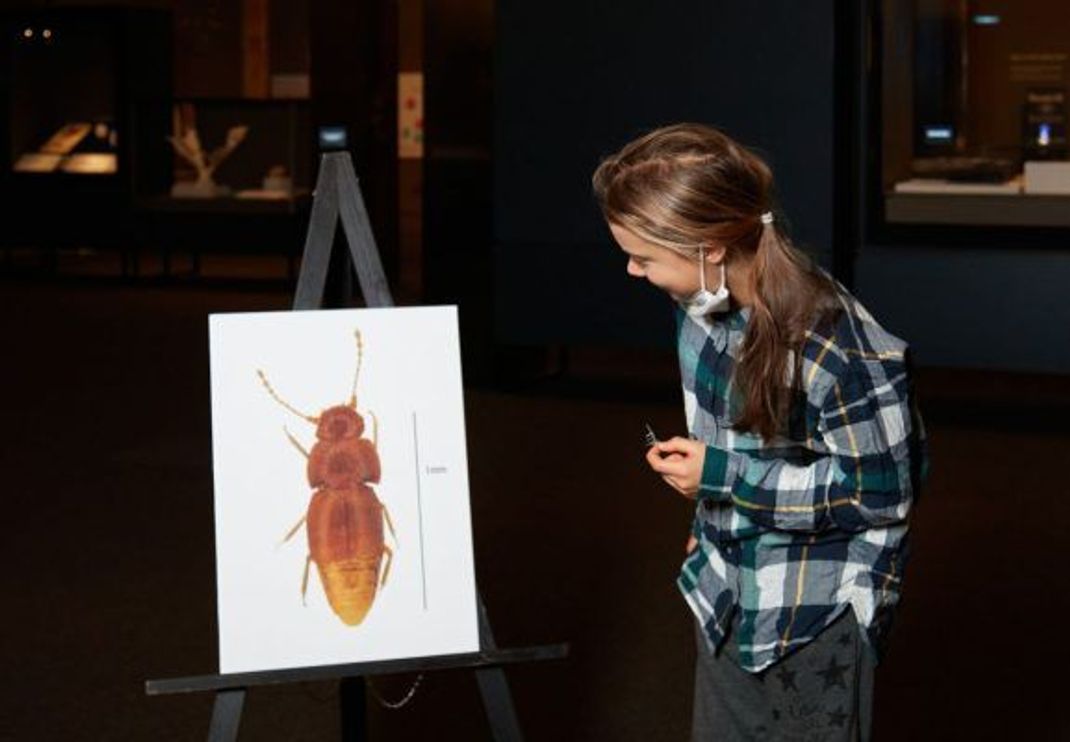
x: 679, y: 462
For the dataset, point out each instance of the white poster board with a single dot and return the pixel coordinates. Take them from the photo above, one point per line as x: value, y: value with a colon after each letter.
x: 266, y: 452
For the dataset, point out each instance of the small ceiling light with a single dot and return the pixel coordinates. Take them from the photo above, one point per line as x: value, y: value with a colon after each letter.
x: 986, y: 19
x: 47, y: 33
x: 27, y: 33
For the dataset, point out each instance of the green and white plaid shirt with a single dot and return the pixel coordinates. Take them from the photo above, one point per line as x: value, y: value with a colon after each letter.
x: 794, y: 531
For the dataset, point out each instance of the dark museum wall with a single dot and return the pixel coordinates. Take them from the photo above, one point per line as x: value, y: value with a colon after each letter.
x: 574, y: 83
x: 458, y: 98
x: 984, y: 308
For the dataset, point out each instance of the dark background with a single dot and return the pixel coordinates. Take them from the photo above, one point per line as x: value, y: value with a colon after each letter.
x: 110, y: 577
x: 575, y: 84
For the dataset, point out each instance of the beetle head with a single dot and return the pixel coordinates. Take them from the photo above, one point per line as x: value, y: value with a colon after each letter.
x: 338, y: 422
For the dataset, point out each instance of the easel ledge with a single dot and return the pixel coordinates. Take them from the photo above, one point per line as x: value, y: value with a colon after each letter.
x: 475, y: 660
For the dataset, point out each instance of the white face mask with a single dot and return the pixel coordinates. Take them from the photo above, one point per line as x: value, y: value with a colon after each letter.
x: 705, y: 302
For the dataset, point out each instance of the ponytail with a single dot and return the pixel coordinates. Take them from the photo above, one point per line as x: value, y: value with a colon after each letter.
x: 788, y: 292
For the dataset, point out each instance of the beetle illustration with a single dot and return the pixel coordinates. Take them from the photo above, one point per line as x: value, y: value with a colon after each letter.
x: 345, y: 518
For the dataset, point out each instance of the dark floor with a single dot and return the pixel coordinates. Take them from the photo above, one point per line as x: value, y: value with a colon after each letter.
x: 109, y: 577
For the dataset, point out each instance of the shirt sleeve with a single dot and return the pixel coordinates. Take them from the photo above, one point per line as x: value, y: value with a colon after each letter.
x: 875, y: 441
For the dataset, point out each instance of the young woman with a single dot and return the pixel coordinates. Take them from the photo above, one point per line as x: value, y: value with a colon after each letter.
x: 806, y: 449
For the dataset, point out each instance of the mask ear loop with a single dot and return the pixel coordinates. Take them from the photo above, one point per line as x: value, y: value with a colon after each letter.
x: 702, y: 267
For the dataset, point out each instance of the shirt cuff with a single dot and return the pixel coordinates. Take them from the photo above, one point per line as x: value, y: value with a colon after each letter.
x: 715, y: 481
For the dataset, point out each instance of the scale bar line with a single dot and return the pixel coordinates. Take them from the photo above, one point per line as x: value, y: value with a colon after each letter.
x: 419, y: 508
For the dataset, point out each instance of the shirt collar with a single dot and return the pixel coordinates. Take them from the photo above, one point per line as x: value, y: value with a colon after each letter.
x: 719, y: 324
x: 737, y: 317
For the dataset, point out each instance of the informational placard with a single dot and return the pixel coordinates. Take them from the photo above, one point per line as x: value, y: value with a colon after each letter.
x: 343, y: 528
x: 410, y: 115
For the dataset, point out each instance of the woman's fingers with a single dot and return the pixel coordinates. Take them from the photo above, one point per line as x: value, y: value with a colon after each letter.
x: 672, y: 463
x: 674, y: 466
x: 674, y: 484
x: 653, y: 457
x: 676, y: 444
x: 679, y: 462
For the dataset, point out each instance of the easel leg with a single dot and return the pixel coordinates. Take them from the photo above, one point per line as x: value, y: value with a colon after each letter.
x: 226, y: 715
x: 351, y: 697
x: 493, y: 686
x: 504, y: 726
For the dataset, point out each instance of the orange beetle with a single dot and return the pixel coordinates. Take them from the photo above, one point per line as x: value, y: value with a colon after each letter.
x: 345, y: 517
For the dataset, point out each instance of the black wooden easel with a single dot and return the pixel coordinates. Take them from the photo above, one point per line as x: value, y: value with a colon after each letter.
x: 337, y: 195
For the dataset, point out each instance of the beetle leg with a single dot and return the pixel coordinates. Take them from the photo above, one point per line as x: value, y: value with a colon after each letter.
x: 375, y: 429
x: 390, y: 525
x: 304, y: 579
x: 290, y: 534
x: 389, y: 560
x: 293, y: 440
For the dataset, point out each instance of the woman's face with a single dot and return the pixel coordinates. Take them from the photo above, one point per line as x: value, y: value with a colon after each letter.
x: 667, y: 269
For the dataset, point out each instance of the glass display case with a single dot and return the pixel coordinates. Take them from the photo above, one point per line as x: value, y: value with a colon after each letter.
x: 968, y: 117
x: 63, y: 96
x: 69, y: 81
x: 95, y: 150
x: 237, y: 177
x: 234, y: 149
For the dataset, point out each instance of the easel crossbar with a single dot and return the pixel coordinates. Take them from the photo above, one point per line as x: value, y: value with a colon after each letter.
x: 477, y: 660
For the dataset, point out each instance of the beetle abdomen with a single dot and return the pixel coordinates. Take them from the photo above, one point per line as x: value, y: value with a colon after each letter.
x: 345, y: 539
x: 350, y: 586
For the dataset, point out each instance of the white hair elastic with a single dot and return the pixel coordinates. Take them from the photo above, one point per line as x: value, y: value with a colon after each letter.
x: 767, y: 217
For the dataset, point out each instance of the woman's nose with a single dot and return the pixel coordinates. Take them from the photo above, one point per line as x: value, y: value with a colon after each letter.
x: 634, y: 269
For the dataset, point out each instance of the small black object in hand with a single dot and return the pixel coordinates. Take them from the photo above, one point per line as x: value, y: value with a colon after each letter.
x: 648, y: 437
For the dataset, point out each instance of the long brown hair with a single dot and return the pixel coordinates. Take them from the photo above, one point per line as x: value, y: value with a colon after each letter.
x: 688, y: 185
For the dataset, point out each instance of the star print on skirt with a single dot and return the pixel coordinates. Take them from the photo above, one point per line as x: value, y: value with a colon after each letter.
x: 821, y: 693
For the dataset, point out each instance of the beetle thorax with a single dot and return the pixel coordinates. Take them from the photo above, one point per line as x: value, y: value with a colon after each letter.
x: 343, y: 464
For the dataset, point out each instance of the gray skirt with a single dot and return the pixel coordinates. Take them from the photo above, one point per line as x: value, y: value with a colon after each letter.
x: 822, y: 692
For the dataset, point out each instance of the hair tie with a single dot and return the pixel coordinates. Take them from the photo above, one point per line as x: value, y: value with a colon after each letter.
x: 767, y: 217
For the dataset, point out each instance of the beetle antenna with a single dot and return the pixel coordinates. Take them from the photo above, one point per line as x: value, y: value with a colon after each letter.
x: 280, y: 400
x: 360, y: 360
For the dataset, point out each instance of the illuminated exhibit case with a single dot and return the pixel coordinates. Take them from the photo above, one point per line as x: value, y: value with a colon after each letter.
x: 69, y: 82
x: 967, y: 121
x: 254, y: 195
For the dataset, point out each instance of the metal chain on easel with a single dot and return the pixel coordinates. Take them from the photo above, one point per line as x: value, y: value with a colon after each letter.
x: 404, y: 699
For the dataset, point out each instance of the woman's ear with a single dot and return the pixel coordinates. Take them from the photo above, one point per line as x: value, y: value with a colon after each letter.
x: 714, y: 253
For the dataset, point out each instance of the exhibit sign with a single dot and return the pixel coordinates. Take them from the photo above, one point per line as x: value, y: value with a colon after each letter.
x: 410, y: 115
x: 343, y: 527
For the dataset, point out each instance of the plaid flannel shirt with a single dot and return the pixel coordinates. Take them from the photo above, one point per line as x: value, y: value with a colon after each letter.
x: 793, y: 531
